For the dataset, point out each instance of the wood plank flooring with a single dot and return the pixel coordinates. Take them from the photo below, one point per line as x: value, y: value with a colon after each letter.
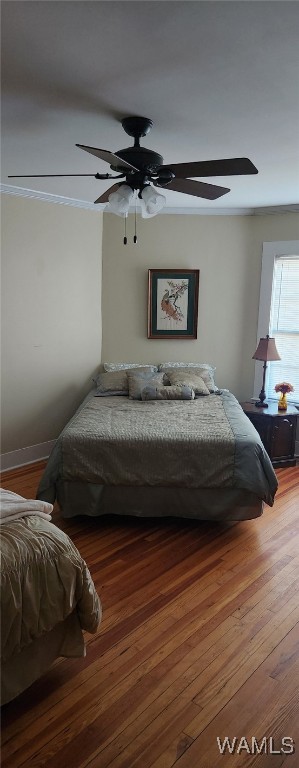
x: 199, y: 640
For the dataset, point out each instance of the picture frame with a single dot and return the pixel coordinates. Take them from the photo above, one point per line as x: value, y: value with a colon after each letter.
x: 173, y: 303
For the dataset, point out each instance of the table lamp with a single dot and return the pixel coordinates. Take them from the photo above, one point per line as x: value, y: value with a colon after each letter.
x: 266, y: 350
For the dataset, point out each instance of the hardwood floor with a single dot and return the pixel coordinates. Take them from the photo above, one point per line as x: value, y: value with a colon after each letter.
x: 199, y: 640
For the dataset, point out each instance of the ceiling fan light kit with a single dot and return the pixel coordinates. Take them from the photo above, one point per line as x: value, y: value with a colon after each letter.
x: 152, y: 202
x: 142, y: 169
x: 120, y: 200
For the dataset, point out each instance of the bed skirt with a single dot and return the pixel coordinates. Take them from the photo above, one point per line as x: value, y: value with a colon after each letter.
x: 23, y: 668
x: 77, y: 498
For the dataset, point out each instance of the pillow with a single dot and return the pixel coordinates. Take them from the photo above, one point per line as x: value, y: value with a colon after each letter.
x: 126, y: 366
x: 205, y: 374
x: 204, y: 370
x: 150, y: 392
x: 163, y: 366
x: 113, y: 383
x: 138, y: 380
x: 188, y: 378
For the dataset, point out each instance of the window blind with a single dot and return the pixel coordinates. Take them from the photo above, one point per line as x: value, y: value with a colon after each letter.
x: 284, y: 326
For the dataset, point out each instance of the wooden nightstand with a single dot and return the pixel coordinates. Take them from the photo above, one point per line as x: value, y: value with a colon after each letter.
x: 277, y: 430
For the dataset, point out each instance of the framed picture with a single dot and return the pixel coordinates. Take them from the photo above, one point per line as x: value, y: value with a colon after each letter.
x: 172, y: 303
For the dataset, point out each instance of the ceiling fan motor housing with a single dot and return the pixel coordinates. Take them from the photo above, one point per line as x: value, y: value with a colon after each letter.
x: 144, y: 159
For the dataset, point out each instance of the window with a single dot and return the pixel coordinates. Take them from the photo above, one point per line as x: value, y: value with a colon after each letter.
x: 279, y: 315
x: 284, y: 325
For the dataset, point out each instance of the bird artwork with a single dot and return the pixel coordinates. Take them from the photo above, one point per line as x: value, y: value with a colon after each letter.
x: 170, y: 299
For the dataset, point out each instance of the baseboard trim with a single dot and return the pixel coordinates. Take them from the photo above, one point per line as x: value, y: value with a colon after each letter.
x: 22, y: 456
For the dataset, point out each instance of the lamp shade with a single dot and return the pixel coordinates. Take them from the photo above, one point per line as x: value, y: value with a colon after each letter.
x: 266, y: 350
x: 119, y: 201
x: 153, y: 202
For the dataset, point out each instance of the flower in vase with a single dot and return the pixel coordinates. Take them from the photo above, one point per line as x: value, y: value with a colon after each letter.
x: 284, y: 387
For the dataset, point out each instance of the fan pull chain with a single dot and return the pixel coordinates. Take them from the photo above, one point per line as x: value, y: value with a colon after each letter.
x: 135, y: 221
x: 125, y: 235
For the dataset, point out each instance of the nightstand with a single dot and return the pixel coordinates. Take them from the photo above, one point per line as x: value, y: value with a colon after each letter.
x: 277, y: 430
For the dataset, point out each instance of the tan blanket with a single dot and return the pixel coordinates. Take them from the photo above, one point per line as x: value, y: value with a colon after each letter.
x: 43, y: 580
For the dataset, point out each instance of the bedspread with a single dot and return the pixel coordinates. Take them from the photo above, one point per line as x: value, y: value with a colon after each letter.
x: 202, y: 443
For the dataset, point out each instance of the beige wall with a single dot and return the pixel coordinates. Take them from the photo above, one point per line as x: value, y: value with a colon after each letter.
x: 270, y: 228
x: 51, y: 316
x: 51, y: 302
x: 227, y: 250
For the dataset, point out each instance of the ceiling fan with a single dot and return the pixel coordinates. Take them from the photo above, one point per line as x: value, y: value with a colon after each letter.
x: 142, y: 167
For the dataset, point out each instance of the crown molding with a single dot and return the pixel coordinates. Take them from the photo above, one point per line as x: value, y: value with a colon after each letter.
x: 179, y: 211
x: 277, y: 209
x: 208, y: 211
x: 49, y: 198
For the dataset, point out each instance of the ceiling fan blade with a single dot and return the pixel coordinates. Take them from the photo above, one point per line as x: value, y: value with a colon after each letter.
x: 197, y: 188
x: 49, y: 175
x: 109, y: 157
x: 105, y: 196
x: 234, y: 166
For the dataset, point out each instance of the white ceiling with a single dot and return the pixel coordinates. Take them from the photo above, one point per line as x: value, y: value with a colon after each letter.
x: 219, y: 79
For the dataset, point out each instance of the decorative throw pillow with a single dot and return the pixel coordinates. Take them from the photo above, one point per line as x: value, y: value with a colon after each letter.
x: 116, y: 382
x: 127, y: 366
x: 205, y: 370
x: 188, y: 378
x: 150, y: 392
x: 138, y: 380
x: 206, y: 375
x: 113, y: 383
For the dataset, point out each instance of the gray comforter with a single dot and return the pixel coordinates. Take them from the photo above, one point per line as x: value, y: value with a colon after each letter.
x: 203, y: 443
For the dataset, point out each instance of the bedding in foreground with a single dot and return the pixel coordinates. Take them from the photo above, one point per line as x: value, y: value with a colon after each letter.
x: 47, y: 599
x: 206, y: 445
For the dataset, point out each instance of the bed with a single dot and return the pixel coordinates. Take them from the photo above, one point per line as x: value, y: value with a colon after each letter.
x: 47, y: 599
x: 126, y: 454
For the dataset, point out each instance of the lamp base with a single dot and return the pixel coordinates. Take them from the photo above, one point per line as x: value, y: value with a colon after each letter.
x: 260, y: 404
